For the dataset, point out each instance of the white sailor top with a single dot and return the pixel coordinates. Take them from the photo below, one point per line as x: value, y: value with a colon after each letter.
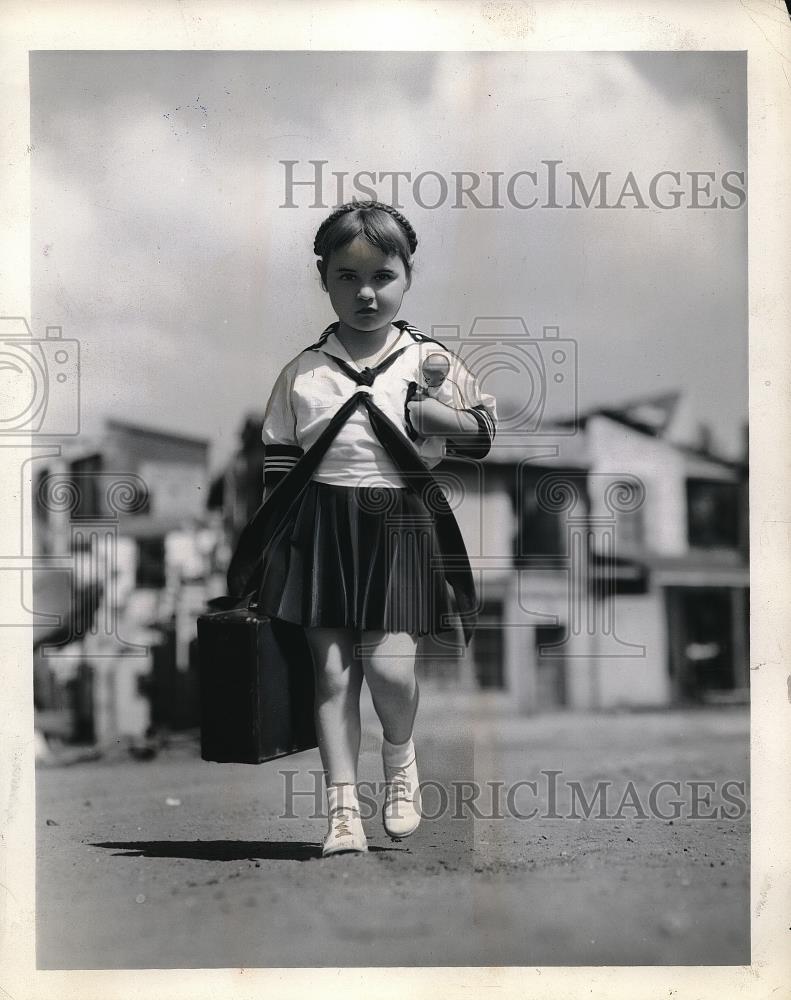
x: 312, y: 386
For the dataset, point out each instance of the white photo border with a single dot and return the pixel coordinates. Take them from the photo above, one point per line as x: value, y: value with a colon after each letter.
x: 760, y: 27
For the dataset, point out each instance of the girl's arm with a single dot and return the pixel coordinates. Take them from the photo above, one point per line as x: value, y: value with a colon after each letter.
x: 279, y: 433
x: 469, y: 425
x: 430, y: 416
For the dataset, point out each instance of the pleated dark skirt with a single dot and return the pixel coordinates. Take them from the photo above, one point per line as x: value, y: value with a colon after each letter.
x: 359, y: 558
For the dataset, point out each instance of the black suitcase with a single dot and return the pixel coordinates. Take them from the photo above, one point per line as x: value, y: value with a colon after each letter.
x: 256, y: 687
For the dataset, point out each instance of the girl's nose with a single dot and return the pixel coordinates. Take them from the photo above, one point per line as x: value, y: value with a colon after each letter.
x: 365, y: 293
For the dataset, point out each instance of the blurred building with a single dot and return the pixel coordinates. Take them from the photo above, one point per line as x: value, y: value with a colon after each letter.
x: 127, y: 509
x: 612, y: 561
x: 145, y: 482
x: 610, y: 553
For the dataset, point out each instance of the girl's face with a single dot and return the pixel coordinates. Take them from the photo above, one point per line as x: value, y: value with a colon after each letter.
x: 365, y: 286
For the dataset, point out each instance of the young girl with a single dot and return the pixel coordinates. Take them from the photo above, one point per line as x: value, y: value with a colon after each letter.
x: 361, y: 545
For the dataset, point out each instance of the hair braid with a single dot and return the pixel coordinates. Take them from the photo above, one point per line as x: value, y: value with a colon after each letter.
x: 353, y: 206
x: 405, y: 225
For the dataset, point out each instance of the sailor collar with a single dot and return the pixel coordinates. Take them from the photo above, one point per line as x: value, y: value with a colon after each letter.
x: 328, y: 342
x: 333, y: 346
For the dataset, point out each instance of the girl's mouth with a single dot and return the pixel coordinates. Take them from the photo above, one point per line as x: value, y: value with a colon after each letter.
x: 367, y: 310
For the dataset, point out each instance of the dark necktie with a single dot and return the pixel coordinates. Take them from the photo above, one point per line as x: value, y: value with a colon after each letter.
x: 368, y: 375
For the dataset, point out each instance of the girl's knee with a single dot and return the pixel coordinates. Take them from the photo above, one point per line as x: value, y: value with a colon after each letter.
x: 334, y: 677
x: 390, y: 657
x: 395, y: 671
x: 401, y: 645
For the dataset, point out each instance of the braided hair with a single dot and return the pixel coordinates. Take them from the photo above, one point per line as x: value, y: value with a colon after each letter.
x: 380, y: 224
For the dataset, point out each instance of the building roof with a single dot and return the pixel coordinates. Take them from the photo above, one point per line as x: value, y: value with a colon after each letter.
x: 113, y: 426
x: 652, y: 415
x: 568, y: 449
x: 656, y: 416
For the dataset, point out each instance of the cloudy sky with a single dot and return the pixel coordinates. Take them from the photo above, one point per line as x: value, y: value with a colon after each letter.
x: 159, y: 240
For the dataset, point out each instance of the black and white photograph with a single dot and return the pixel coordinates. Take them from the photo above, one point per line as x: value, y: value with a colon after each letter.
x: 381, y: 512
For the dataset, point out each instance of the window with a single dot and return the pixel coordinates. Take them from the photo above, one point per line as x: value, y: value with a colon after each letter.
x: 629, y: 525
x: 40, y: 497
x: 488, y: 646
x: 84, y: 474
x: 150, y: 563
x: 712, y: 514
x: 542, y: 530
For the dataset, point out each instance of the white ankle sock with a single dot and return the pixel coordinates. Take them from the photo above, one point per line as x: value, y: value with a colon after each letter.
x: 398, y: 754
x: 342, y: 796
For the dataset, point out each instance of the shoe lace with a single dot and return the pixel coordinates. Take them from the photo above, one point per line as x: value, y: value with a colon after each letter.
x: 340, y: 823
x: 398, y: 785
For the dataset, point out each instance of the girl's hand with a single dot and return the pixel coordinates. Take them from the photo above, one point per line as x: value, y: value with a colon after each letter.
x: 430, y: 417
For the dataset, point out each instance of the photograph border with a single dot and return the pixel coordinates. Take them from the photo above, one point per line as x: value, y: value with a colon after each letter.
x: 760, y: 28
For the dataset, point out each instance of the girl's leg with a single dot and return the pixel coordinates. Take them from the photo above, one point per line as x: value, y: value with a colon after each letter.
x: 338, y: 674
x: 389, y: 667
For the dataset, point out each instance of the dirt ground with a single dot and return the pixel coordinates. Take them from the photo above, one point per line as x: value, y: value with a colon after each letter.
x: 179, y: 863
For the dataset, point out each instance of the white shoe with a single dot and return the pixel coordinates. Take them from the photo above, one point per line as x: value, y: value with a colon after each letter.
x: 401, y: 811
x: 345, y: 833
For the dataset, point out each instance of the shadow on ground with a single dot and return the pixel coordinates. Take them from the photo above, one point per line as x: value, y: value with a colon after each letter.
x: 223, y: 850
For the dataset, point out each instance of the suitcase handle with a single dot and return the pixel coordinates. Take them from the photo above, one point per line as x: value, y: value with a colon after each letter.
x: 229, y: 603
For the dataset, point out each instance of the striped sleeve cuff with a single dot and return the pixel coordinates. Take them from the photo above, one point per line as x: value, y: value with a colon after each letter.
x: 279, y: 460
x: 475, y: 445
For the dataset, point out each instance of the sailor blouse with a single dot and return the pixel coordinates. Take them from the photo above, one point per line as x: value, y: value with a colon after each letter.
x: 313, y: 385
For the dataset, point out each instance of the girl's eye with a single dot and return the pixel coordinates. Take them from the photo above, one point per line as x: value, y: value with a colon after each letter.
x: 381, y: 276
